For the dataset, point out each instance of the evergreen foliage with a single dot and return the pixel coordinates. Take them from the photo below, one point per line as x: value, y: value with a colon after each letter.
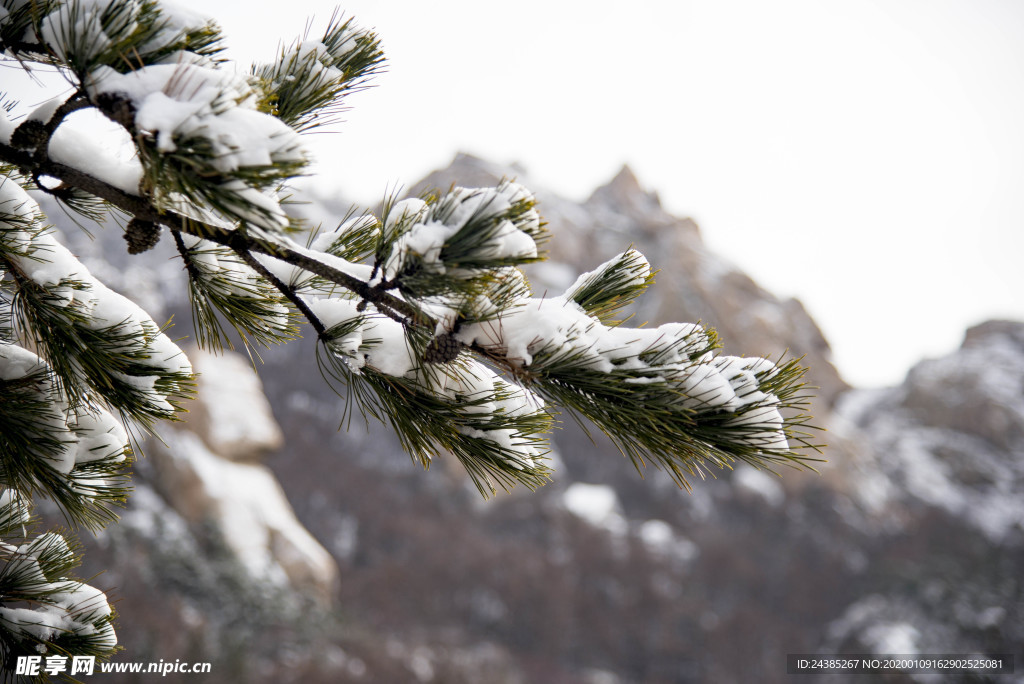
x: 424, y: 318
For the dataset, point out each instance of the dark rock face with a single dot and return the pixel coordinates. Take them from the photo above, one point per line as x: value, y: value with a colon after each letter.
x: 910, y: 538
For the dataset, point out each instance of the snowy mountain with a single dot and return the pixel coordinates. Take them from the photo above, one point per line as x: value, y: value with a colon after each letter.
x: 912, y: 536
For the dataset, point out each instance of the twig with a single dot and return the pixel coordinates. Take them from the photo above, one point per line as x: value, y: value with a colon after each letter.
x: 285, y: 289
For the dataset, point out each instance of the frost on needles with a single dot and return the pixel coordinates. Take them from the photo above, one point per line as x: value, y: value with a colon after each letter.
x: 424, y: 317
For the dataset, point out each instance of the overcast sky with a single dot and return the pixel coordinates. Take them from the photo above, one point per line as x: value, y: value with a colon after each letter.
x: 865, y: 157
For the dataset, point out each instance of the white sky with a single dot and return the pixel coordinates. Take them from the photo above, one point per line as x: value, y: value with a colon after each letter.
x: 865, y: 157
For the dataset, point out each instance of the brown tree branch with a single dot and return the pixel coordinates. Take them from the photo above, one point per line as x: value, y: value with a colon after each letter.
x: 239, y: 241
x: 285, y: 289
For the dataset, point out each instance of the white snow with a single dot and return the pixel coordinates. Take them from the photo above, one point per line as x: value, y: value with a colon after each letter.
x: 660, y: 539
x: 99, y: 150
x: 18, y: 509
x: 359, y: 271
x: 238, y: 419
x: 314, y: 62
x: 41, y: 622
x: 6, y: 127
x: 192, y: 100
x: 180, y: 18
x: 16, y: 362
x: 186, y: 99
x: 380, y: 343
x: 598, y: 505
x: 100, y: 437
x: 51, y: 266
x: 86, y: 435
x: 249, y: 508
x: 761, y: 483
x: 389, y: 351
x: 76, y: 28
x: 174, y: 21
x: 426, y: 230
x: 670, y: 356
x: 64, y: 606
x: 386, y: 348
x: 641, y: 271
x: 44, y: 112
x: 503, y: 400
x: 325, y: 239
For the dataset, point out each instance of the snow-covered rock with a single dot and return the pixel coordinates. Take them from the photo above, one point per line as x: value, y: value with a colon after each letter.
x: 952, y: 436
x: 247, y: 507
x: 207, y: 473
x: 231, y: 414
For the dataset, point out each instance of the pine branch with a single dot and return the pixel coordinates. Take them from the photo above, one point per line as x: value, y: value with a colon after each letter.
x: 307, y: 85
x: 44, y: 609
x: 612, y: 285
x: 236, y: 240
x: 656, y: 393
x: 75, y: 458
x: 35, y: 133
x: 284, y: 289
x: 495, y: 429
x: 445, y: 273
x: 124, y: 34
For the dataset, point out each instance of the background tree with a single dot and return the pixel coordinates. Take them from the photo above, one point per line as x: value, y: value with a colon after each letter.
x: 422, y: 314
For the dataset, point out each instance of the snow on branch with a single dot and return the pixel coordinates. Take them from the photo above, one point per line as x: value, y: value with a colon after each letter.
x: 74, y: 456
x: 219, y: 281
x: 79, y: 35
x: 660, y: 391
x: 462, y: 236
x: 415, y: 311
x: 42, y: 608
x: 92, y: 336
x: 306, y: 86
x: 494, y: 427
x: 202, y: 139
x: 612, y: 285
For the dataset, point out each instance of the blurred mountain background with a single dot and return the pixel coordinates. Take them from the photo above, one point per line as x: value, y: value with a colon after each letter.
x: 266, y: 540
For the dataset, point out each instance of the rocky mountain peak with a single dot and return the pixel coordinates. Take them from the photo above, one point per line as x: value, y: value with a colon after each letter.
x: 985, y: 333
x: 468, y: 171
x: 624, y: 191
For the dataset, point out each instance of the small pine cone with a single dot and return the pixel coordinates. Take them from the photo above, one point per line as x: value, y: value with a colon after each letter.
x: 442, y: 349
x: 29, y: 134
x: 117, y: 107
x: 141, y: 235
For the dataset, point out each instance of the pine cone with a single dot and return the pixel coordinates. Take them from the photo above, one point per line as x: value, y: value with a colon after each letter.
x: 141, y: 235
x: 118, y: 108
x: 29, y: 134
x: 442, y: 349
